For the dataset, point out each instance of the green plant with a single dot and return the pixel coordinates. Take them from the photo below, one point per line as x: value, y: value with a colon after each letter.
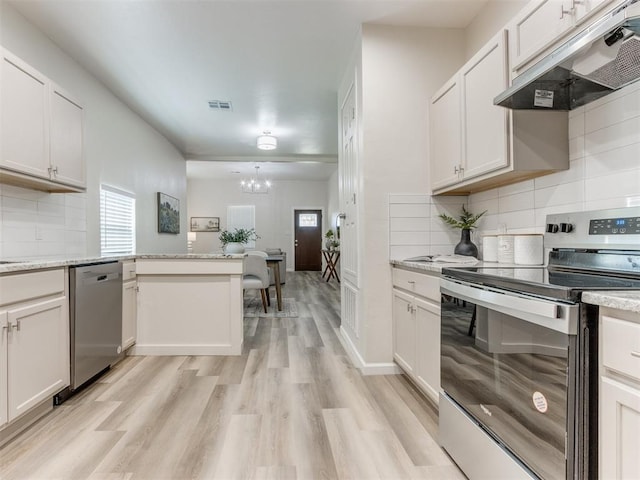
x: 239, y: 235
x: 466, y: 220
x: 329, y: 235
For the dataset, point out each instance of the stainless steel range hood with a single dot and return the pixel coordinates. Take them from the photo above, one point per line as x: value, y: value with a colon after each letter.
x: 602, y: 58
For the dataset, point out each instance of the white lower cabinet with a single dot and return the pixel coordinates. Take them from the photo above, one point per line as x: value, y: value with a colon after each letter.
x: 34, y: 342
x: 404, y: 338
x: 129, y: 304
x: 619, y: 410
x: 129, y: 313
x: 416, y: 328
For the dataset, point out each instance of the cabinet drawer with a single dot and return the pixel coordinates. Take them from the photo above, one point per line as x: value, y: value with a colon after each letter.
x: 128, y: 270
x: 621, y: 346
x: 421, y: 284
x: 20, y: 287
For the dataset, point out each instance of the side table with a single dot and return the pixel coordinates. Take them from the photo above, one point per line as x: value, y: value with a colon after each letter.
x: 331, y: 257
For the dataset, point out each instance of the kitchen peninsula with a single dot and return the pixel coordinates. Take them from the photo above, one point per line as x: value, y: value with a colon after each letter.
x: 189, y: 304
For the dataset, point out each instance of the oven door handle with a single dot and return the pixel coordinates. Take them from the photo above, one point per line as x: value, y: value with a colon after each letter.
x: 556, y: 316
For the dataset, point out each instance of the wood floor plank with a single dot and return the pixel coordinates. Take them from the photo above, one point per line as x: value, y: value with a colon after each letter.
x: 238, y: 457
x: 419, y: 445
x: 279, y: 472
x: 350, y: 453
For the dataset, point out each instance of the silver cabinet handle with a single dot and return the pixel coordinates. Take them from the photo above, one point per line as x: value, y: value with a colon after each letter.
x: 16, y: 325
x: 411, y: 282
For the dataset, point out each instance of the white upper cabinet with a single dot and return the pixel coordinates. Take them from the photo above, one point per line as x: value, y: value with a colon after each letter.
x: 446, y: 132
x: 66, y: 139
x: 484, y: 126
x: 476, y: 145
x: 537, y: 28
x: 24, y: 128
x: 41, y: 131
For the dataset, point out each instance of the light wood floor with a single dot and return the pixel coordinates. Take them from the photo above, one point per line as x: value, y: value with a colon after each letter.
x: 291, y: 407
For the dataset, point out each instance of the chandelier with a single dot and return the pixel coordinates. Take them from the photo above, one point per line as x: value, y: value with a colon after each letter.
x: 255, y: 185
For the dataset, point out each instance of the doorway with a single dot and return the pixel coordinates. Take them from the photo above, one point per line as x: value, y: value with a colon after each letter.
x: 308, y: 240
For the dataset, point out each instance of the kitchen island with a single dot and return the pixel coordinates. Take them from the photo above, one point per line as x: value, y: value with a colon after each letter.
x: 189, y: 304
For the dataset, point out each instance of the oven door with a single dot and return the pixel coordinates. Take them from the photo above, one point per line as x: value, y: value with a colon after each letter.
x: 506, y: 359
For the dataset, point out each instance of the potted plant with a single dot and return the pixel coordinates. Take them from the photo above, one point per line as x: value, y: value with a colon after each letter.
x: 465, y: 222
x: 329, y: 236
x: 234, y: 242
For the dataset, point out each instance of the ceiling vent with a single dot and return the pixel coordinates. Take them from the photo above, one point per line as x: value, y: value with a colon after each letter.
x: 220, y: 105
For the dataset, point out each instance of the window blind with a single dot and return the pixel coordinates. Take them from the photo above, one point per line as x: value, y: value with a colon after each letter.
x: 117, y: 222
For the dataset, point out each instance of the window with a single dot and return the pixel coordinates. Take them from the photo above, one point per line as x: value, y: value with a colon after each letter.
x: 117, y: 222
x: 242, y: 216
x: 308, y: 220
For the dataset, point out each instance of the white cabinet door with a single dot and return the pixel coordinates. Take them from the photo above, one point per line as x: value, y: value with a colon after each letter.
x: 445, y: 128
x: 585, y: 7
x: 24, y: 128
x: 404, y: 332
x: 535, y: 28
x: 619, y: 443
x: 428, y: 347
x: 38, y: 354
x: 129, y: 313
x: 4, y: 389
x: 485, y: 125
x: 66, y: 159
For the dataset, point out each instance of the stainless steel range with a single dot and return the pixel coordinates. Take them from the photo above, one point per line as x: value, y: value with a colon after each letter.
x: 519, y: 351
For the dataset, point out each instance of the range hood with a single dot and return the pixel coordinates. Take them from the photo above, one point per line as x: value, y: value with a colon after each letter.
x: 602, y: 58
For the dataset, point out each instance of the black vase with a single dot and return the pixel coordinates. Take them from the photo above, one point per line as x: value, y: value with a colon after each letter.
x: 466, y: 246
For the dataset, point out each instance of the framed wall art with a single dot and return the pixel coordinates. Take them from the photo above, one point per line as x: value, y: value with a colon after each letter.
x: 168, y: 214
x: 205, y: 224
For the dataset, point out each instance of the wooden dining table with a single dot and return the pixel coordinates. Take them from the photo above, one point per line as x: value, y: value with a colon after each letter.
x: 273, y: 262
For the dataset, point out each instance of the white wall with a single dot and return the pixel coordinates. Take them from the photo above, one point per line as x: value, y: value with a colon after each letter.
x: 401, y: 69
x: 274, y: 211
x: 604, y: 147
x: 120, y: 149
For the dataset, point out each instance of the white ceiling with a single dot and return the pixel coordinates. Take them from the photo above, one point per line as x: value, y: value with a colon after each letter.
x: 278, y: 62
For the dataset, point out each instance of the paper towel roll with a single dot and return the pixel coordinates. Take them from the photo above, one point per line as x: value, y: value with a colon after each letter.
x: 490, y: 248
x: 528, y: 250
x: 505, y: 248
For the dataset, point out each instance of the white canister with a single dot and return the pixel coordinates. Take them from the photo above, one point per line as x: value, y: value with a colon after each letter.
x: 505, y: 248
x: 490, y: 248
x: 528, y: 250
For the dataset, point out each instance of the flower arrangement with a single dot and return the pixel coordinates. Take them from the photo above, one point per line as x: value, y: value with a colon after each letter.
x: 331, y: 242
x: 239, y: 235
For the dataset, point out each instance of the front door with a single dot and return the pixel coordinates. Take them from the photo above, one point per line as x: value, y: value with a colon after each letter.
x: 308, y: 239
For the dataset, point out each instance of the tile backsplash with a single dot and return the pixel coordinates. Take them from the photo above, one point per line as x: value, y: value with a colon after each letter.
x: 414, y: 226
x: 37, y: 224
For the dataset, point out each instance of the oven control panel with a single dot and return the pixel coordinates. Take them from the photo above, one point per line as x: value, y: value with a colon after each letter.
x: 615, y: 226
x: 612, y: 229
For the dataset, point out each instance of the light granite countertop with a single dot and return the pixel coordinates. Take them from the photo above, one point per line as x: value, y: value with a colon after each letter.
x: 621, y: 300
x: 26, y: 265
x: 436, y: 267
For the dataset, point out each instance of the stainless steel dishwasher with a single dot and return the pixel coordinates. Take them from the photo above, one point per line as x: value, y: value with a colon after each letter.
x: 95, y: 312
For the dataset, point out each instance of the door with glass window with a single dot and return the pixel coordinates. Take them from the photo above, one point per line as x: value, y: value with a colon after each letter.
x: 308, y: 240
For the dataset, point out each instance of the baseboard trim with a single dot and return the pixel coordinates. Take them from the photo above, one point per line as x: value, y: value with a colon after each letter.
x: 377, y: 368
x: 173, y: 350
